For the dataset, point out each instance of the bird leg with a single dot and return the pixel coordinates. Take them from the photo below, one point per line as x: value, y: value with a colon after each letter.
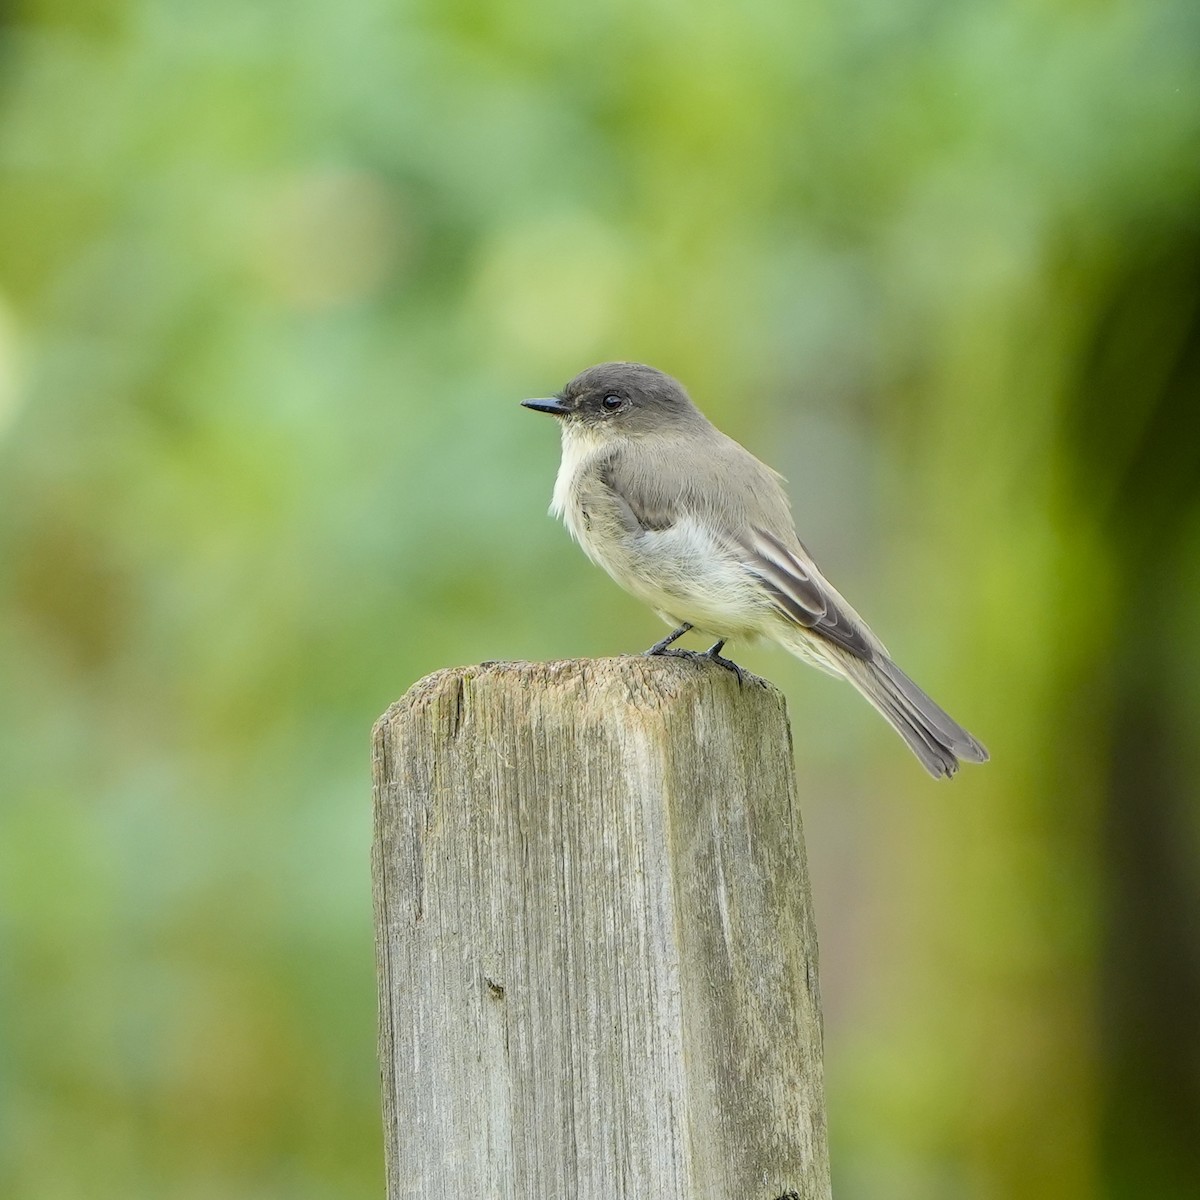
x: 714, y: 653
x: 661, y: 647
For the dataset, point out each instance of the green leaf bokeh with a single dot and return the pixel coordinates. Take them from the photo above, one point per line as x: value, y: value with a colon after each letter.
x: 273, y: 278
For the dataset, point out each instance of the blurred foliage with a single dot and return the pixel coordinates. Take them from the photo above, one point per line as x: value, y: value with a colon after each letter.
x: 272, y: 280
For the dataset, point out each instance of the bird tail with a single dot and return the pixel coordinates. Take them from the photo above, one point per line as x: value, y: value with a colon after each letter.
x: 932, y: 734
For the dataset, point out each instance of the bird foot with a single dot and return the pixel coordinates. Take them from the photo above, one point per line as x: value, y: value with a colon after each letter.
x: 661, y: 647
x: 713, y: 654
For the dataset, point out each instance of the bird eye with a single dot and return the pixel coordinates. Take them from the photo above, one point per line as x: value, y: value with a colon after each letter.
x: 611, y: 403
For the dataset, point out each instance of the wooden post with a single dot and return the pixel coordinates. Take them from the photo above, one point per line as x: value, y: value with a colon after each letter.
x: 597, y: 960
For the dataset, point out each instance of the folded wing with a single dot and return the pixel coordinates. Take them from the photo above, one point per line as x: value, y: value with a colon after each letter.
x: 800, y: 594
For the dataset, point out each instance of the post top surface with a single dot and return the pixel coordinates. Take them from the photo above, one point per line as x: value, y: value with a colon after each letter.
x: 659, y: 680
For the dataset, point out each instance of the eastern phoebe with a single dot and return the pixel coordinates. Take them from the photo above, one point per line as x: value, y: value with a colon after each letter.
x: 687, y: 520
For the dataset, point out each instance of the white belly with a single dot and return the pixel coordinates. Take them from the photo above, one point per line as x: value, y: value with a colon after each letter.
x: 685, y: 572
x: 689, y: 575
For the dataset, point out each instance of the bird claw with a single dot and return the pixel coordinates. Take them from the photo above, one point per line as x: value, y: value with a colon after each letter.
x: 713, y: 654
x: 661, y: 647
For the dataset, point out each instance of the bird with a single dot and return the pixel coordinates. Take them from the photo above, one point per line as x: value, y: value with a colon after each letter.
x: 688, y: 521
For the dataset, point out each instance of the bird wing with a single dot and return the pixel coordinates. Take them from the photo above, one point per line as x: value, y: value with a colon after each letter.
x: 743, y: 500
x: 642, y: 508
x: 801, y: 594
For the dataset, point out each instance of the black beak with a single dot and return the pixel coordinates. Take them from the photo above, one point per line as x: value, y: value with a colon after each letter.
x: 554, y: 406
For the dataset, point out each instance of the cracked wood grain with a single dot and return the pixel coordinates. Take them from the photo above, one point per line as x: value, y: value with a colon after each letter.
x: 597, y: 959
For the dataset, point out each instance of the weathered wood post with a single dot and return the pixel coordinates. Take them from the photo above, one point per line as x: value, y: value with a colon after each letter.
x: 597, y: 961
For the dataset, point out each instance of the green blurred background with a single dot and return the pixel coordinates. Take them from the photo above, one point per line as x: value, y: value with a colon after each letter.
x: 273, y: 278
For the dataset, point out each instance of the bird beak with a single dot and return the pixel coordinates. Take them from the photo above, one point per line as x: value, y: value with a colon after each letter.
x: 554, y: 406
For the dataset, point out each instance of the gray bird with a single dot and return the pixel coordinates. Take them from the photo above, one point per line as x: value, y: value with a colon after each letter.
x: 687, y: 520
